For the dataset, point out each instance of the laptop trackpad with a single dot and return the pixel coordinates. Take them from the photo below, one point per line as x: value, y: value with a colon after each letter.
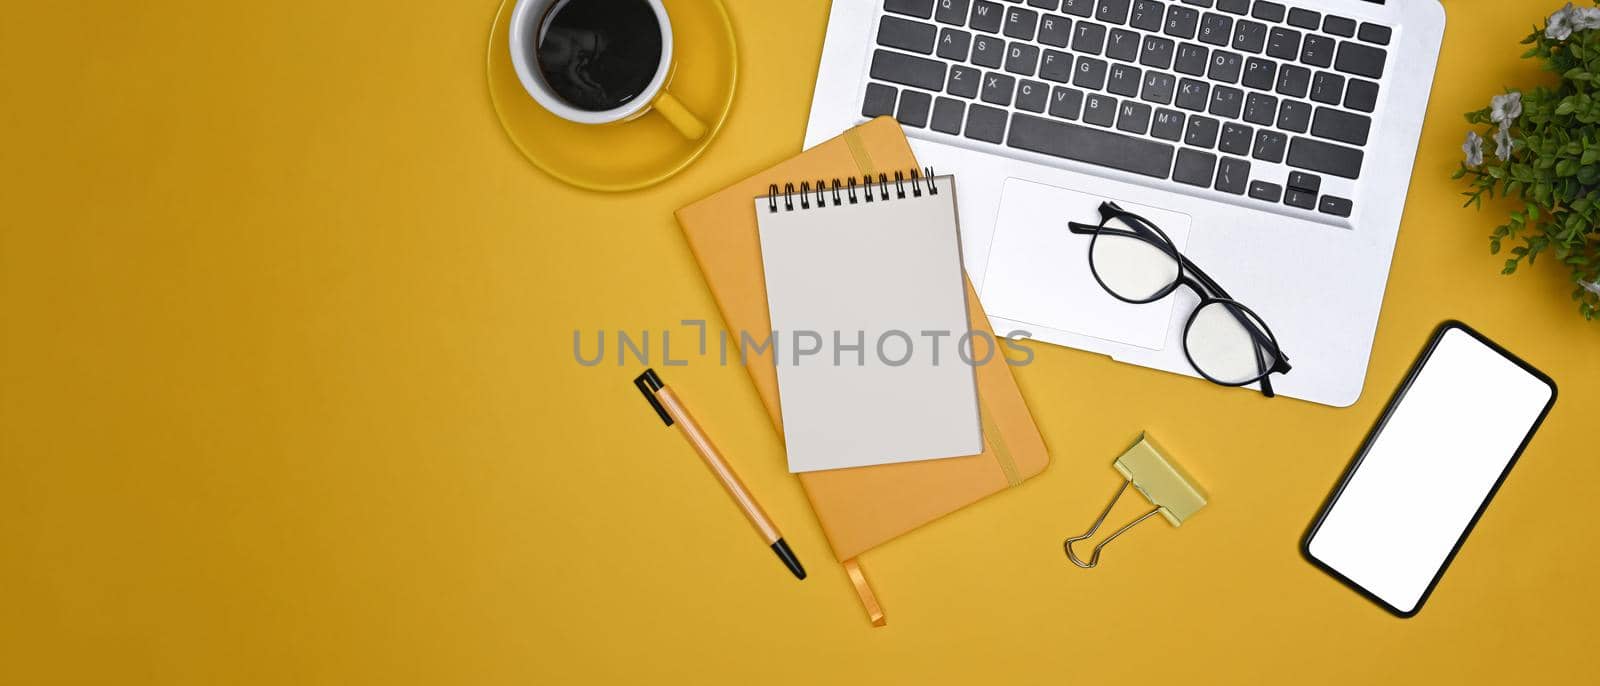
x: 1038, y: 271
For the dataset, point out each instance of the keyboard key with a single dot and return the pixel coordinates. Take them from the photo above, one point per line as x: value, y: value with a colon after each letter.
x: 1261, y: 190
x: 1065, y: 102
x: 1055, y: 30
x: 964, y: 81
x: 1317, y: 51
x: 1270, y: 146
x: 1260, y: 108
x: 1192, y: 59
x: 1309, y: 183
x: 1215, y: 28
x: 1100, y: 110
x: 1157, y: 52
x: 1194, y: 167
x: 1056, y: 66
x: 1113, y: 11
x: 1226, y: 102
x: 1089, y: 38
x: 1294, y: 116
x: 1044, y: 4
x: 1294, y: 81
x: 1327, y: 158
x: 1239, y: 7
x: 953, y: 12
x: 1193, y: 95
x: 1236, y: 139
x: 1123, y: 45
x: 1365, y: 60
x: 1341, y: 126
x: 988, y: 51
x: 1339, y: 26
x: 997, y: 88
x: 1022, y: 58
x: 986, y: 123
x: 1283, y: 43
x: 1305, y: 19
x: 1147, y: 15
x: 907, y: 35
x: 1268, y: 11
x: 1301, y: 199
x: 1201, y: 132
x: 1250, y: 36
x: 1124, y: 81
x: 947, y: 115
x: 1159, y: 87
x: 1081, y: 8
x: 1021, y: 23
x: 954, y: 44
x: 1181, y: 22
x: 1338, y: 207
x: 1225, y: 66
x: 986, y: 16
x: 1091, y: 74
x: 1167, y: 125
x: 1084, y: 144
x: 879, y: 100
x: 921, y: 9
x: 1361, y: 96
x: 1259, y: 74
x: 1133, y: 117
x: 1327, y: 88
x: 1233, y: 175
x: 907, y: 70
x: 1198, y: 3
x: 914, y: 106
x: 1373, y: 33
x: 1033, y: 96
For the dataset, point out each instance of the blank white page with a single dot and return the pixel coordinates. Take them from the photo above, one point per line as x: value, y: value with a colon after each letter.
x: 856, y: 274
x: 1431, y: 466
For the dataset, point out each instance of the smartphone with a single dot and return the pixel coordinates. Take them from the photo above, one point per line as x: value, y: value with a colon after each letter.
x: 1428, y: 468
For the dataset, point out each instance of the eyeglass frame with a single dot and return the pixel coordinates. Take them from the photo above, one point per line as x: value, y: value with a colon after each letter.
x: 1191, y: 275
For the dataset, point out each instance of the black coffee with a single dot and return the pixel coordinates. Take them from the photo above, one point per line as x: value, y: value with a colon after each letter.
x: 598, y: 54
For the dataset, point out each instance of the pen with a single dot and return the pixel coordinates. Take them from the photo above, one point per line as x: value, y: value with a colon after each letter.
x: 672, y: 411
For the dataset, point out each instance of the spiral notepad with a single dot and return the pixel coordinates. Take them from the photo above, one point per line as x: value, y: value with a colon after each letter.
x: 869, y: 317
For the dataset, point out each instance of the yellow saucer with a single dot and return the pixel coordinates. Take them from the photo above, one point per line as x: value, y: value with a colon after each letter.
x: 632, y: 154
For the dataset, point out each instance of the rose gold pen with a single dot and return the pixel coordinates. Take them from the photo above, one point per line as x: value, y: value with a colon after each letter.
x: 672, y: 411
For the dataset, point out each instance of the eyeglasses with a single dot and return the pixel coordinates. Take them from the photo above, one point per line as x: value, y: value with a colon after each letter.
x: 1226, y: 342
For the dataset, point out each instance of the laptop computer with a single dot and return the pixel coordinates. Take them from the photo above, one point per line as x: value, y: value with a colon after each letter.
x: 1272, y: 141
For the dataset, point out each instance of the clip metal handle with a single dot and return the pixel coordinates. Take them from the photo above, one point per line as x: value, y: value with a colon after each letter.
x: 1094, y: 556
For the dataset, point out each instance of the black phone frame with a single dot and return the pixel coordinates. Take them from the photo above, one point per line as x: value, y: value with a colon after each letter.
x: 1377, y: 428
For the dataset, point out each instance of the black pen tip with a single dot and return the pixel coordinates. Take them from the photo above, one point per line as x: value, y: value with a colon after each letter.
x: 789, y: 560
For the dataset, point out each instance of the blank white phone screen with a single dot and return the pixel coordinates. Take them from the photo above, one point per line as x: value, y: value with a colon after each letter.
x: 1429, y: 470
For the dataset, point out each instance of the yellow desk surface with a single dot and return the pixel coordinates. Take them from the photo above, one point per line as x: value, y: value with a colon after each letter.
x: 287, y: 395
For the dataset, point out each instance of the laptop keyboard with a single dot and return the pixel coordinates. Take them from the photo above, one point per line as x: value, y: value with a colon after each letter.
x: 1238, y: 97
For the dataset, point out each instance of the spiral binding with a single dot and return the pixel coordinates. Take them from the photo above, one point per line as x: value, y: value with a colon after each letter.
x: 845, y: 193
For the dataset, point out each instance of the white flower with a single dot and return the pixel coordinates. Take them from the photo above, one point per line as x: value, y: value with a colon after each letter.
x: 1591, y: 286
x: 1586, y: 18
x: 1505, y: 109
x: 1473, y: 148
x: 1502, y: 144
x: 1559, y: 25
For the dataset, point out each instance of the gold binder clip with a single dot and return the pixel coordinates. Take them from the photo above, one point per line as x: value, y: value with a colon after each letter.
x: 1172, y: 492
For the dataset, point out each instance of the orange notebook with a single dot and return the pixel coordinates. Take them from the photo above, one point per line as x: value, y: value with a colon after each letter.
x: 863, y: 507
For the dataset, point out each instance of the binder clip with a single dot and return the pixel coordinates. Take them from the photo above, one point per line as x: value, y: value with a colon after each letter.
x: 1159, y: 480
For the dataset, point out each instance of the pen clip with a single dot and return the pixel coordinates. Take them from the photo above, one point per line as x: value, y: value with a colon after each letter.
x: 648, y: 384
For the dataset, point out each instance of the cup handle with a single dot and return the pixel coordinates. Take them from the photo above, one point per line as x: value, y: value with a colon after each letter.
x: 679, y: 116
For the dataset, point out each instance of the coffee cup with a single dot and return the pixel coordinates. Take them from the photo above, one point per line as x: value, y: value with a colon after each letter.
x: 598, y: 61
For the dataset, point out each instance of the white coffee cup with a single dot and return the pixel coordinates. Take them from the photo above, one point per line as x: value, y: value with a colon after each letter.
x: 526, y: 20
